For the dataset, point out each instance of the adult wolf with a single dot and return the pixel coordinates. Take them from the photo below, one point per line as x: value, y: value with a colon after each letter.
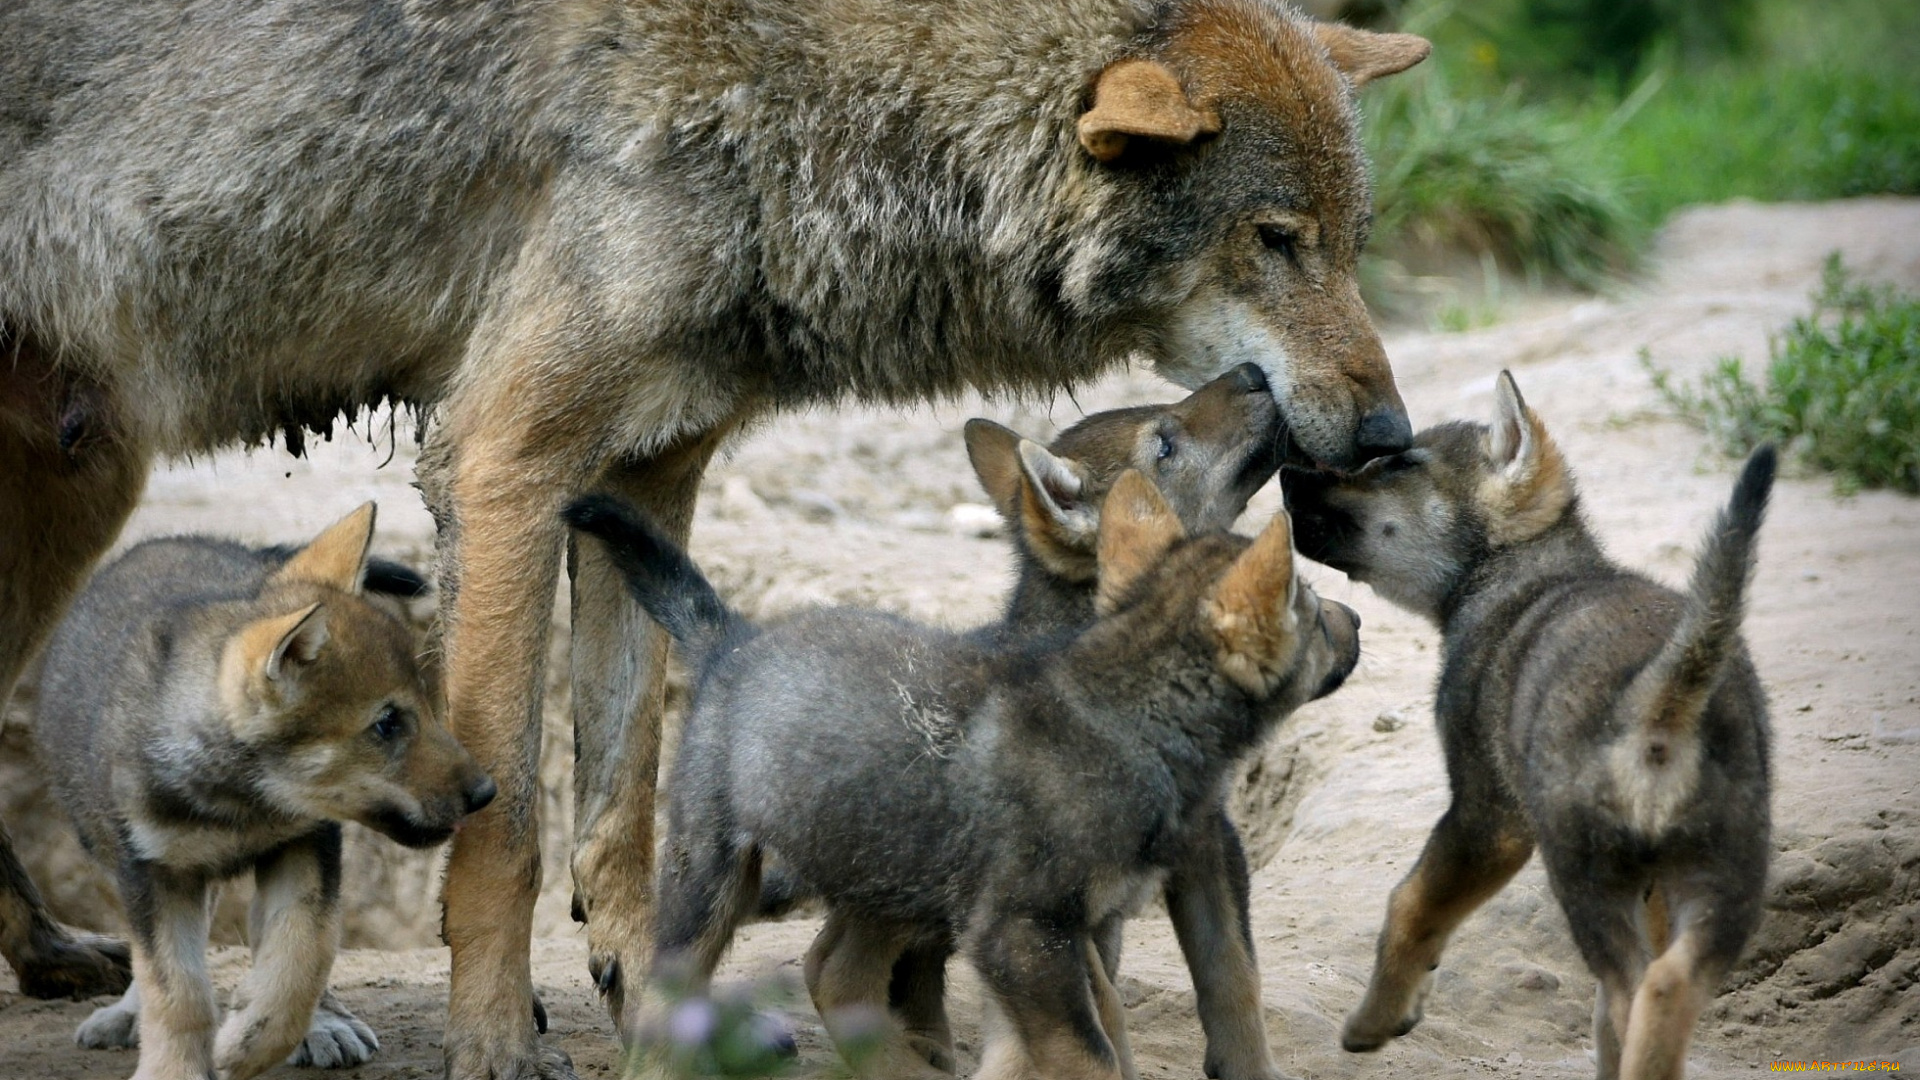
x: 598, y: 235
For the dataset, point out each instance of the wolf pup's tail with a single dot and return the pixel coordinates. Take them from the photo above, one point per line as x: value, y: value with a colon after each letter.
x: 659, y: 574
x: 1657, y: 764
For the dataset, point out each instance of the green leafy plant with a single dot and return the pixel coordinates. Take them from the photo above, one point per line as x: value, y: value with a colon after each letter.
x: 1841, y: 390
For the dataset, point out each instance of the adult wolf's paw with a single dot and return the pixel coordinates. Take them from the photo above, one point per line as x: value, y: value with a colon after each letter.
x: 59, y: 963
x: 336, y: 1039
x: 494, y: 1061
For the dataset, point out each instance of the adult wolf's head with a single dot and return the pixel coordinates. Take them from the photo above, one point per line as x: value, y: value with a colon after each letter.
x: 1232, y: 188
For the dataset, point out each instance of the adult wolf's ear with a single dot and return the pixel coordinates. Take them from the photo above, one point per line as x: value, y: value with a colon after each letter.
x: 1529, y: 487
x: 1137, y: 528
x: 1363, y: 56
x: 337, y: 558
x: 1141, y: 99
x: 1252, y: 608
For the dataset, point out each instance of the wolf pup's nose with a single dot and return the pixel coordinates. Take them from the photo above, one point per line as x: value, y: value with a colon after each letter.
x: 1252, y: 379
x: 1383, y: 432
x: 480, y: 793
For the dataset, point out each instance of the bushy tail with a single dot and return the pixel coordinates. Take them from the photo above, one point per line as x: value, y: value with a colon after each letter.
x: 659, y: 574
x: 1668, y: 697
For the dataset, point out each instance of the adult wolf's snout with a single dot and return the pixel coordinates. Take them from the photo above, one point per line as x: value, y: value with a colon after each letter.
x: 1384, y: 431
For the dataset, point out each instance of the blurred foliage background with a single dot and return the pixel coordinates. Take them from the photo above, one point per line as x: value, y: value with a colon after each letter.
x: 1546, y: 139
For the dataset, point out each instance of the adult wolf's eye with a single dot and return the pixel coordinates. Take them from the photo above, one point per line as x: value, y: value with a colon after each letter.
x: 1281, y: 239
x: 390, y: 725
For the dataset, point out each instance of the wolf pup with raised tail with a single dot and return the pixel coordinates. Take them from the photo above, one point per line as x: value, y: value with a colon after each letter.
x: 1207, y: 454
x: 1012, y: 797
x: 209, y: 708
x: 1615, y: 723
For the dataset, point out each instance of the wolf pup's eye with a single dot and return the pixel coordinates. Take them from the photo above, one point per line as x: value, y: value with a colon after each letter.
x: 1281, y: 239
x: 390, y: 725
x: 1166, y: 446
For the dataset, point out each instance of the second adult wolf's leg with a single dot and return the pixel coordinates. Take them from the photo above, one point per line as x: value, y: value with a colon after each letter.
x: 69, y: 477
x: 619, y: 687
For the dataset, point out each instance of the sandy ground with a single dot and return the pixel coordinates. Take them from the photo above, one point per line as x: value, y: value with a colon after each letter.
x: 856, y: 507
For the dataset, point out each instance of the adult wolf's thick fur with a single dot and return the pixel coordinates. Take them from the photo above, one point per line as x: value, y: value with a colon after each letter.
x: 601, y: 234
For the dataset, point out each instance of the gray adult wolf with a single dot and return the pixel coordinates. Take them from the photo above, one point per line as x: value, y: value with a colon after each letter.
x: 1616, y: 723
x: 599, y: 236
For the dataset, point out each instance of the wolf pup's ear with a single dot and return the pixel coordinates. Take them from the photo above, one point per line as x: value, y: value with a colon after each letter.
x: 1252, y: 609
x: 1363, y: 56
x: 274, y: 649
x: 1141, y: 99
x: 994, y: 451
x: 337, y: 558
x: 1529, y: 488
x: 1054, y: 509
x: 1137, y: 528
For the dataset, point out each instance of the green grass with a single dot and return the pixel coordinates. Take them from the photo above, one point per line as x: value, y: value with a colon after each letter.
x: 1493, y: 175
x: 1768, y: 133
x: 1841, y: 390
x: 1564, y: 176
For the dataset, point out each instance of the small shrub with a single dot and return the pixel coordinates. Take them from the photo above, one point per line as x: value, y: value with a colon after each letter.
x: 1493, y: 175
x: 1841, y: 389
x: 733, y: 1033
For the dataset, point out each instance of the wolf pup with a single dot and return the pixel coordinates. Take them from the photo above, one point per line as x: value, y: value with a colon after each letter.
x: 1012, y: 797
x: 1207, y: 454
x: 209, y: 708
x: 1617, y: 724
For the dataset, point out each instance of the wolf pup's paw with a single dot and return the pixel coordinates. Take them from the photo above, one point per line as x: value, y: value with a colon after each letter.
x: 61, y: 963
x: 336, y: 1039
x: 113, y: 1027
x: 1366, y: 1032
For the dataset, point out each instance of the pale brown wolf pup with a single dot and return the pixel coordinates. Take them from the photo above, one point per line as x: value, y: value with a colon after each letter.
x: 599, y: 236
x: 1207, y: 454
x: 1009, y: 796
x: 209, y: 709
x: 1615, y: 723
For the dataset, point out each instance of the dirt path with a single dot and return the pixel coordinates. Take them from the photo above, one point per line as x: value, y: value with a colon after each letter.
x: 855, y: 506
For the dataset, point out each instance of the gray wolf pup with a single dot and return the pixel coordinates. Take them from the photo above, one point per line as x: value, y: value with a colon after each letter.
x: 208, y: 709
x: 1010, y: 797
x: 1207, y: 454
x: 1613, y: 722
x: 599, y: 237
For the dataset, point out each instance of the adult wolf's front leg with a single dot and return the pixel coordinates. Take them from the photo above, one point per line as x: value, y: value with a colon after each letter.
x: 508, y: 455
x: 619, y: 665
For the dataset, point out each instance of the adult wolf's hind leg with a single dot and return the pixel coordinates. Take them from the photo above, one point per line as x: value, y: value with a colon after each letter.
x: 1472, y: 853
x: 619, y: 687
x: 68, y: 479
